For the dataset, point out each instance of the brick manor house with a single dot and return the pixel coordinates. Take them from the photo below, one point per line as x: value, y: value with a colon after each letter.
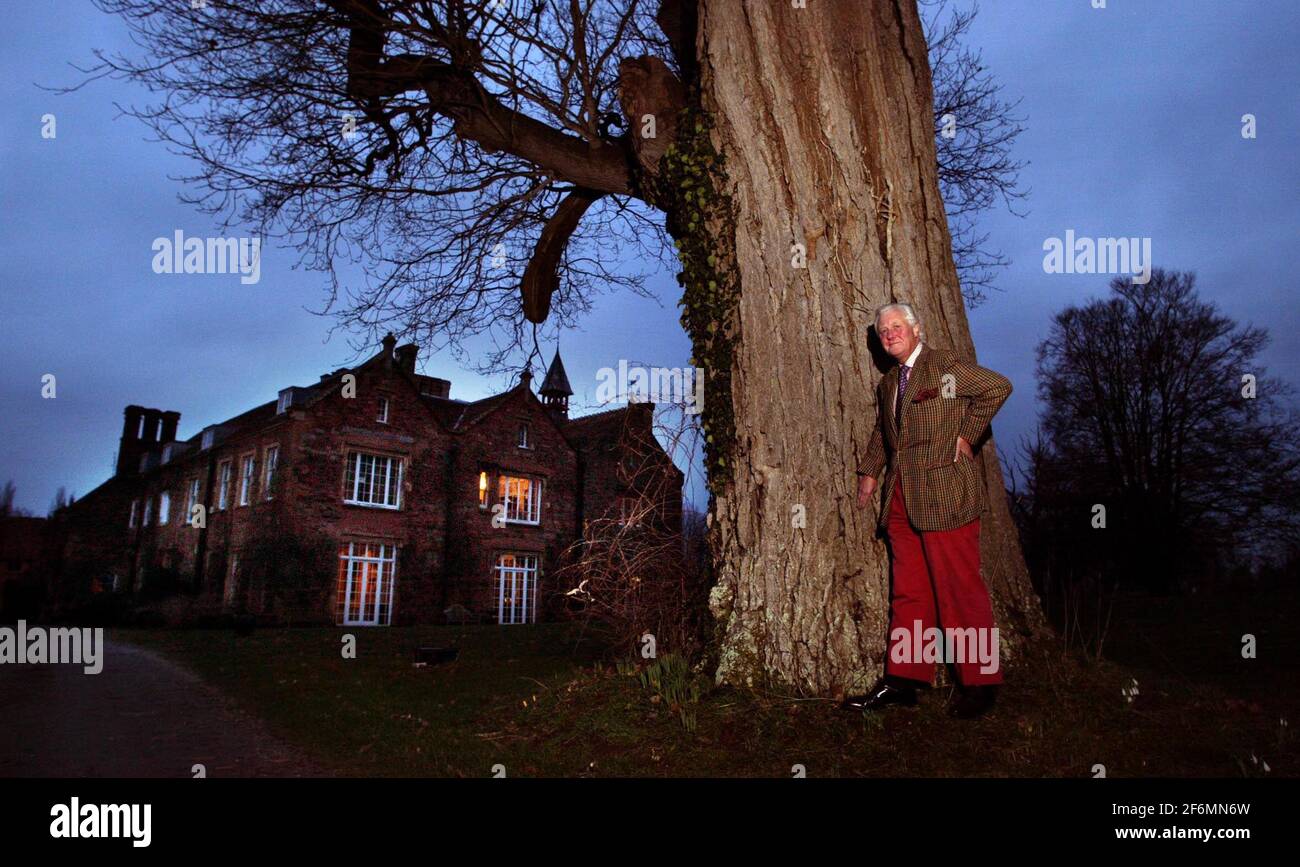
x: 368, y: 498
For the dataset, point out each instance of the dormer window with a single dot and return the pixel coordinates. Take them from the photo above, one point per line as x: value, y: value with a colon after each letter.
x: 207, y: 439
x: 167, y: 453
x: 523, y: 436
x: 382, y: 417
x: 285, y: 401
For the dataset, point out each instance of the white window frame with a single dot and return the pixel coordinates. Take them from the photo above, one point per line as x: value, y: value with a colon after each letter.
x: 191, y: 498
x: 532, y: 504
x: 224, y: 471
x: 206, y: 442
x: 375, y: 606
x: 132, y: 521
x: 523, y: 436
x: 284, y: 401
x: 164, y: 507
x: 384, y: 490
x: 247, y: 471
x: 270, y: 460
x: 382, y: 418
x: 519, y: 605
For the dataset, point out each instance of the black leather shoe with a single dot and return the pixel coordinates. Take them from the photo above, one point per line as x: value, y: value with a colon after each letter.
x: 973, y: 702
x: 881, y: 695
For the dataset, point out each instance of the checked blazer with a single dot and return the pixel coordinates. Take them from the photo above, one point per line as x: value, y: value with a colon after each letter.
x: 945, y: 398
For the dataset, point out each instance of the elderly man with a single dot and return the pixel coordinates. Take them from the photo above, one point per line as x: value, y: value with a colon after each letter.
x: 932, y: 409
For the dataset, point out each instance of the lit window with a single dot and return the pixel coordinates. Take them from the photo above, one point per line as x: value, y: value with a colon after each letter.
x: 365, y: 584
x: 246, y: 480
x: 269, y: 461
x: 523, y: 437
x: 516, y: 580
x: 483, y: 490
x: 135, y: 513
x: 522, y: 497
x: 164, y: 507
x: 373, y: 480
x: 223, y: 485
x: 383, y: 411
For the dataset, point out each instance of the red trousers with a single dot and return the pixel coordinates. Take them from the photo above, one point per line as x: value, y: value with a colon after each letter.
x: 940, y: 567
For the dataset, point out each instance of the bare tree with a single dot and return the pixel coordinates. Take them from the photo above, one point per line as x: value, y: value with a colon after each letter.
x: 494, y: 163
x: 975, y: 132
x: 1155, y: 405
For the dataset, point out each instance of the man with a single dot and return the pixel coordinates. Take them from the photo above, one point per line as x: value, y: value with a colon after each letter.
x: 932, y: 411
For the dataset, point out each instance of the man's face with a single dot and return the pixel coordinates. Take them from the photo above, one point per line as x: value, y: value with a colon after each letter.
x: 898, y: 337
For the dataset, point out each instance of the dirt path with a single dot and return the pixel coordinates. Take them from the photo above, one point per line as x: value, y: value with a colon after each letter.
x: 142, y: 716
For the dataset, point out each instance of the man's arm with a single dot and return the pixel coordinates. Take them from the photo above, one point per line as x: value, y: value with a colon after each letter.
x: 985, y: 391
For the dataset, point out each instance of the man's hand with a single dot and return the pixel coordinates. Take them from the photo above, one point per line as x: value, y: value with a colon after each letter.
x: 963, y: 448
x: 866, y: 487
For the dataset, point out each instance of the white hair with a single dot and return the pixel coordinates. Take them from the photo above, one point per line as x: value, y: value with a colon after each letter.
x: 909, y: 314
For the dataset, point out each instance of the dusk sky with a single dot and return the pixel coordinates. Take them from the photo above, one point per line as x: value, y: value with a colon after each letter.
x: 1133, y: 117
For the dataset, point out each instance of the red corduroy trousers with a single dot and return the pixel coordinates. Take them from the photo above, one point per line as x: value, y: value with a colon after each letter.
x: 937, y: 573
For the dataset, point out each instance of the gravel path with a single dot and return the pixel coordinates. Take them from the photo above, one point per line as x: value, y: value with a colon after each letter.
x: 142, y: 716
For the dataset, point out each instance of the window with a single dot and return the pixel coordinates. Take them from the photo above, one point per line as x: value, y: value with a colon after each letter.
x: 246, y: 480
x: 207, y: 439
x: 167, y: 453
x: 516, y: 580
x: 286, y: 400
x: 148, y: 511
x: 135, y: 513
x: 144, y: 462
x: 192, y: 498
x: 483, y: 490
x: 223, y: 485
x: 522, y: 497
x: 365, y: 585
x: 164, y: 507
x: 270, y: 458
x: 383, y: 411
x: 373, y: 480
x: 523, y: 436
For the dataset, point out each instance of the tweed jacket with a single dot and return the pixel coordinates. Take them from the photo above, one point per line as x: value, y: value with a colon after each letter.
x: 945, y: 398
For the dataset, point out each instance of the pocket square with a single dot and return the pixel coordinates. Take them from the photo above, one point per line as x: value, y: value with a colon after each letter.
x: 926, y: 395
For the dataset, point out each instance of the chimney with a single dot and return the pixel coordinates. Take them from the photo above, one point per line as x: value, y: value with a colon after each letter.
x: 171, y: 420
x: 128, y: 451
x: 152, y: 425
x: 389, y: 342
x: 406, y: 356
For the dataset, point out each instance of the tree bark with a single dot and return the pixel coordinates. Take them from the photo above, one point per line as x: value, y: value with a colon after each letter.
x: 822, y: 119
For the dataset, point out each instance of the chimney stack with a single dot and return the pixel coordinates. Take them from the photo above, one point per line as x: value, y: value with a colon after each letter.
x: 406, y: 356
x: 389, y: 342
x: 170, y: 421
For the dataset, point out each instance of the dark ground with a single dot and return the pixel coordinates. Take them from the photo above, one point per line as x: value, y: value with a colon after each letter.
x: 533, y: 702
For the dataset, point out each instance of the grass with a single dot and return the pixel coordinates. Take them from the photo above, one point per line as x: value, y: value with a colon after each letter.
x: 540, y: 703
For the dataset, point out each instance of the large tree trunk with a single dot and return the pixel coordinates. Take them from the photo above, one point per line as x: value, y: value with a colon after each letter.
x: 822, y: 119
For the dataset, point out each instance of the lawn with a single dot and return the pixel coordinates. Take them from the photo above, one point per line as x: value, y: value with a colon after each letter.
x: 537, y: 701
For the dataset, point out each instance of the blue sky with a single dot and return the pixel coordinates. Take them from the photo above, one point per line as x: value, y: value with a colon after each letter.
x: 1133, y: 128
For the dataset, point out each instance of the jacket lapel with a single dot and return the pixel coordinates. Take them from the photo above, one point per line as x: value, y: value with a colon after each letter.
x: 913, y: 384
